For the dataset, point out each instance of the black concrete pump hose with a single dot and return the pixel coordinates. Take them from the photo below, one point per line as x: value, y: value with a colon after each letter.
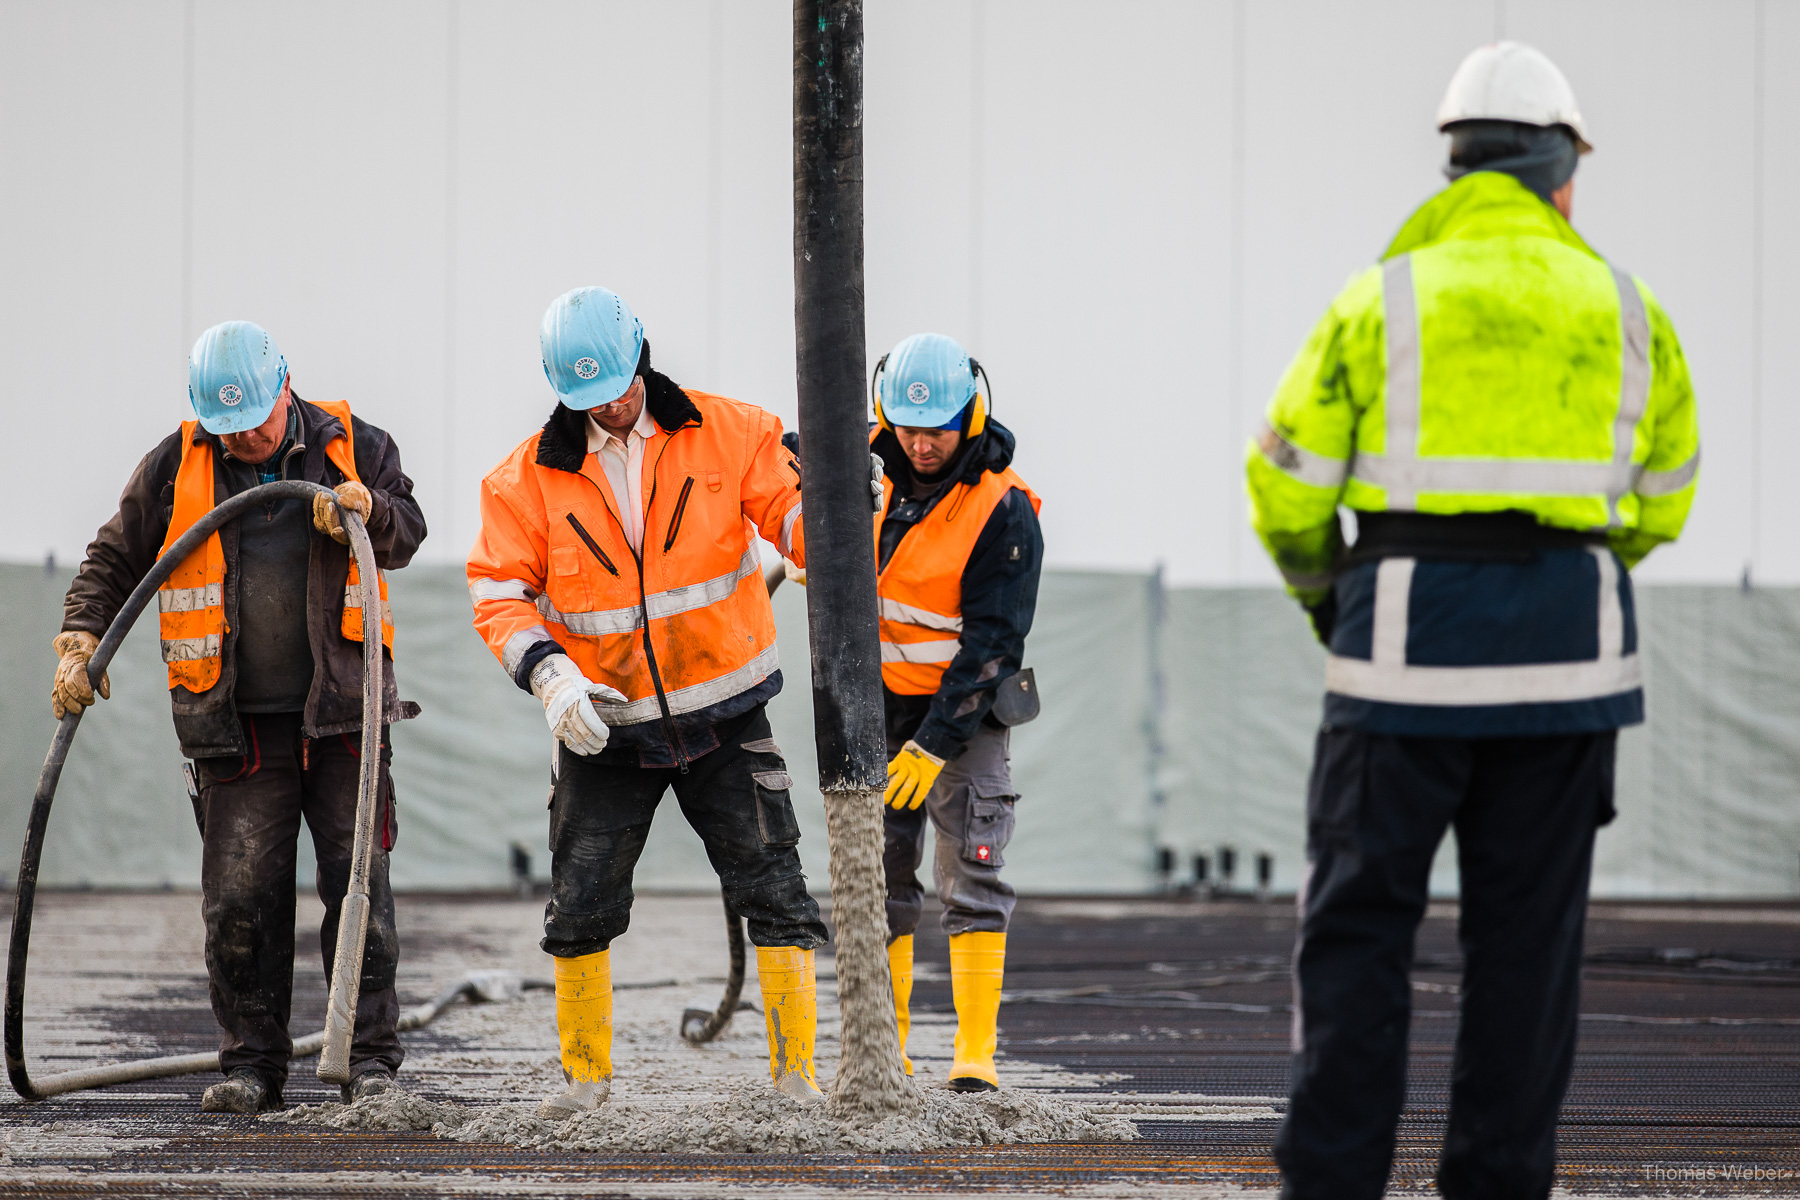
x: 347, y: 969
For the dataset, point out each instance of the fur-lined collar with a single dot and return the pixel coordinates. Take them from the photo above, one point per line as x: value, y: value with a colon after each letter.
x: 563, y: 444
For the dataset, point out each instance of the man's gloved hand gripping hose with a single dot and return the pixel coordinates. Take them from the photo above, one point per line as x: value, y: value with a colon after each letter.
x: 334, y: 1061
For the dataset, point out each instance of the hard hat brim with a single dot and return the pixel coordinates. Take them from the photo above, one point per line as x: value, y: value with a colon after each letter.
x: 238, y: 420
x: 592, y: 393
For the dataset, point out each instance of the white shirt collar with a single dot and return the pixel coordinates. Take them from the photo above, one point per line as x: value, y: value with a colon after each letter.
x: 598, y: 437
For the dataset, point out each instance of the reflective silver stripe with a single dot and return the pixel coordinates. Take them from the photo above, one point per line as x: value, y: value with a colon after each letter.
x: 1393, y: 611
x: 501, y: 589
x: 1612, y: 613
x: 787, y: 531
x: 1400, y: 309
x: 596, y: 623
x: 1400, y: 472
x: 190, y: 599
x: 1309, y: 467
x: 513, y: 653
x: 1525, y: 476
x: 920, y: 652
x: 696, y: 696
x: 353, y: 599
x: 669, y: 603
x: 1387, y: 677
x: 189, y: 649
x: 1667, y: 483
x: 1634, y: 386
x: 924, y: 618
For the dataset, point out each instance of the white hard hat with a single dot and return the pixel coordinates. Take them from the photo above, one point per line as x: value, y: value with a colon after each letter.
x: 1510, y: 81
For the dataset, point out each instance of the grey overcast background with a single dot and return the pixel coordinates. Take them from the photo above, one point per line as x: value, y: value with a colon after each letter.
x: 1131, y: 212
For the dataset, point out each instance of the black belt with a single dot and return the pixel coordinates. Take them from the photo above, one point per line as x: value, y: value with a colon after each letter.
x: 1484, y: 537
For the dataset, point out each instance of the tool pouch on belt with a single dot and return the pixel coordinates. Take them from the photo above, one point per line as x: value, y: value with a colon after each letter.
x: 1016, y: 699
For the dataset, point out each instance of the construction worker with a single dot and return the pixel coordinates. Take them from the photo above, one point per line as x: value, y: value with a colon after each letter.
x: 1510, y: 417
x: 958, y: 552
x: 616, y: 577
x: 262, y: 630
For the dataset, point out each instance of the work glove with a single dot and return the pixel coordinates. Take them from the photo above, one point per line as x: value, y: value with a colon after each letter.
x: 72, y: 692
x: 794, y: 574
x: 911, y: 775
x: 568, y: 698
x: 877, y: 471
x: 1323, y: 616
x: 351, y: 495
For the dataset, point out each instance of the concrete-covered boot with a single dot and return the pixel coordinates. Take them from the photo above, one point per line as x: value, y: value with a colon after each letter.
x: 584, y: 1024
x: 977, y: 965
x: 790, y: 994
x: 243, y: 1091
x: 369, y: 1083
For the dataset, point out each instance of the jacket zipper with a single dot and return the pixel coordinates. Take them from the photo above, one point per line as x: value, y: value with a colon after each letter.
x: 662, y: 697
x: 592, y: 545
x: 680, y: 508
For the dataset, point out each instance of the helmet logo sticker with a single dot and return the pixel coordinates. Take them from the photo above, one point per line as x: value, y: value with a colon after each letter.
x: 918, y: 393
x: 587, y: 368
x: 231, y: 395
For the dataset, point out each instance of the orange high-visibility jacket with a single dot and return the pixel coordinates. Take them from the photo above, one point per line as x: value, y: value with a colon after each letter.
x: 692, y: 620
x: 192, y: 599
x: 921, y: 586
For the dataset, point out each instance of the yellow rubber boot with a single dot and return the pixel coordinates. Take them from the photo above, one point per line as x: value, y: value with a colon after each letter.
x: 584, y: 1024
x: 900, y: 969
x: 790, y: 993
x: 977, y: 963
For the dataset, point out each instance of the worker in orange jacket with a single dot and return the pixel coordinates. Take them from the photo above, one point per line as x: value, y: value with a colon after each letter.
x: 958, y: 550
x: 617, y: 578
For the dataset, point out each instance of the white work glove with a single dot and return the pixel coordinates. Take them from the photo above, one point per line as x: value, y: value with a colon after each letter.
x: 793, y: 573
x: 568, y: 698
x: 877, y: 471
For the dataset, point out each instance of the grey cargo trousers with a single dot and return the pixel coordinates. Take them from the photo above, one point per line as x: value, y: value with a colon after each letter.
x: 971, y: 804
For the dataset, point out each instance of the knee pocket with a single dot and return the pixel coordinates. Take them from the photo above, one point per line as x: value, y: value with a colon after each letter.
x: 776, y: 824
x: 989, y: 826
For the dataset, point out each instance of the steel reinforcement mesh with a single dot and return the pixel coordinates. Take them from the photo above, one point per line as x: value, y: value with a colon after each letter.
x: 1687, y: 1079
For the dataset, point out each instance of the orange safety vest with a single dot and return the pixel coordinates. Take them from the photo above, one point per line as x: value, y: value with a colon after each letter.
x: 192, y: 599
x: 552, y: 562
x: 921, y: 587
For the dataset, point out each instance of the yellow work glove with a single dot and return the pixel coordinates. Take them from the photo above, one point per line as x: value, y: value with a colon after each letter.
x: 911, y: 775
x: 72, y: 692
x: 351, y: 495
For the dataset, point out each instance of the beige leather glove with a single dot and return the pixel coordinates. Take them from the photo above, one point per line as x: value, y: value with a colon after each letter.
x: 72, y: 692
x: 351, y: 495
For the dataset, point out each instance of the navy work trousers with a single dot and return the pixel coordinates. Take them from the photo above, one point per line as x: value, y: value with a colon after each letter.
x: 1525, y: 811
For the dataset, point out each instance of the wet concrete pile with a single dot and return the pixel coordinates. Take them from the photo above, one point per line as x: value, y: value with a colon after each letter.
x: 751, y: 1119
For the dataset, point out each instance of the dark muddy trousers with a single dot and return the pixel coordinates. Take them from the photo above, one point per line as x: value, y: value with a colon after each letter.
x: 249, y: 814
x: 971, y: 807
x: 1525, y: 811
x: 736, y: 799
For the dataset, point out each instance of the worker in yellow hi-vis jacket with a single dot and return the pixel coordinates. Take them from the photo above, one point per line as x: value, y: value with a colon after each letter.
x: 1510, y: 418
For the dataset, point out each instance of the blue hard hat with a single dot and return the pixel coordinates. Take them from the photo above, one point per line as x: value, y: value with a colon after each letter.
x: 235, y: 373
x: 927, y: 382
x: 591, y: 343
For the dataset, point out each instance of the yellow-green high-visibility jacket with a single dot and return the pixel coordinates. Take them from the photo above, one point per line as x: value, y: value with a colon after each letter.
x: 1492, y: 361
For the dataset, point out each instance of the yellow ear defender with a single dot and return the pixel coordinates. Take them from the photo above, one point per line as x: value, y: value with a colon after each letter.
x: 977, y: 417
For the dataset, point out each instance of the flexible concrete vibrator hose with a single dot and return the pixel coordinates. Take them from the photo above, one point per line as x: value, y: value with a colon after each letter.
x: 347, y: 970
